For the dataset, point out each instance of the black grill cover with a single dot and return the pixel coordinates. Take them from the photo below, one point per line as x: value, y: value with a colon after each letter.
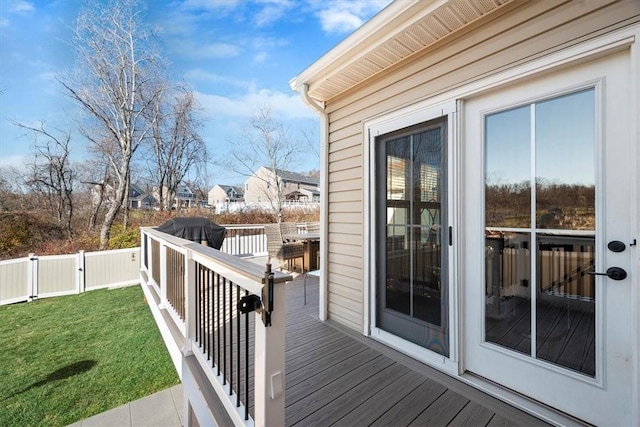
x: 196, y: 229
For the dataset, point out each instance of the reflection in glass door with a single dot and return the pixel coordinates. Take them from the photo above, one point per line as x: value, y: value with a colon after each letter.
x: 411, y: 181
x: 540, y: 299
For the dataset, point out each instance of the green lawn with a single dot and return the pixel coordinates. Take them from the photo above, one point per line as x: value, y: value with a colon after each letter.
x: 67, y: 358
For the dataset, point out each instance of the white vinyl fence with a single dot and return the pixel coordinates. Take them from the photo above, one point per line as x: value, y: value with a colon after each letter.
x: 25, y: 279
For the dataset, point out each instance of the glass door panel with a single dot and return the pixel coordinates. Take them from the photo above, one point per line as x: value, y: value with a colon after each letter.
x: 546, y: 312
x: 411, y: 296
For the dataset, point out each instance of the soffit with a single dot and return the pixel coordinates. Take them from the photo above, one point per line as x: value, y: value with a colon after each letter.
x: 396, y: 34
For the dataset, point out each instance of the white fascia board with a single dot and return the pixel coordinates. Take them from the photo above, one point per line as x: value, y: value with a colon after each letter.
x: 370, y: 35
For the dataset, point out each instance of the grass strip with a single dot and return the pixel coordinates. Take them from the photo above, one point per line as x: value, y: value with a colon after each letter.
x: 67, y: 358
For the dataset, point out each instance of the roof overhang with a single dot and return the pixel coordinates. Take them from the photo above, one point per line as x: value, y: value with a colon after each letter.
x: 400, y: 31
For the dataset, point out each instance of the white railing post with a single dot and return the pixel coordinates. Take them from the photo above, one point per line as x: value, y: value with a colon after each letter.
x: 163, y: 275
x: 189, y: 303
x: 80, y: 278
x: 32, y: 277
x: 143, y: 250
x: 149, y: 241
x: 269, y: 362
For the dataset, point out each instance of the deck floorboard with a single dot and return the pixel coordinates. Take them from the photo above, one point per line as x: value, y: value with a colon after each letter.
x: 333, y: 378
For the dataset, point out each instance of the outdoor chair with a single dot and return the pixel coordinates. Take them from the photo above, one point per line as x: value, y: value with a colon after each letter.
x: 280, y: 249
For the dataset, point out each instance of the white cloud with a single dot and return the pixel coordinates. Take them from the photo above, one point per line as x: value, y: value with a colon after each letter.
x: 16, y: 160
x: 272, y: 11
x: 284, y: 106
x: 218, y: 50
x: 4, y: 22
x: 20, y: 6
x: 210, y: 4
x: 260, y: 57
x: 340, y: 16
x: 200, y: 75
x: 206, y: 51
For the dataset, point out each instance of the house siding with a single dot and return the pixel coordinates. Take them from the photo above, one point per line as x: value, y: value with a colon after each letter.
x: 511, y: 39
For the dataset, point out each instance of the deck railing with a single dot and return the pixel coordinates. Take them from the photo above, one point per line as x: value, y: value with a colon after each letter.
x: 199, y: 293
x: 245, y: 240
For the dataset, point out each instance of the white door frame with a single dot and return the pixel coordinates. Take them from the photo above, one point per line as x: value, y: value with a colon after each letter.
x: 412, y: 115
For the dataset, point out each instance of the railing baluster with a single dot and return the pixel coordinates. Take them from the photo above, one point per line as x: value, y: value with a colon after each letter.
x: 209, y: 318
x: 217, y: 308
x: 238, y: 359
x: 246, y: 363
x: 232, y: 285
x: 224, y: 329
x: 197, y: 305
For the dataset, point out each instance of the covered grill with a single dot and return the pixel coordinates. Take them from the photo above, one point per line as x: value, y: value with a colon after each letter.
x: 196, y: 229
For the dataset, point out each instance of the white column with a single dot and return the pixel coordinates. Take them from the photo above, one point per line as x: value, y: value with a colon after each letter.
x: 269, y: 363
x: 163, y: 276
x: 189, y: 303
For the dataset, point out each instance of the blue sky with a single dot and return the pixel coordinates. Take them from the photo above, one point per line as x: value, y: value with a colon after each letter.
x: 235, y: 54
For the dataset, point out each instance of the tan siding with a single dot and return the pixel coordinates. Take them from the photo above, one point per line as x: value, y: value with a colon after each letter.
x: 344, y: 159
x: 344, y: 175
x: 347, y: 218
x: 350, y: 250
x: 346, y: 239
x: 345, y: 186
x: 57, y: 274
x: 345, y: 164
x: 345, y: 312
x: 348, y: 134
x: 348, y: 294
x: 343, y: 144
x: 345, y: 207
x: 532, y: 30
x: 13, y: 280
x: 344, y: 228
x: 347, y: 271
x: 351, y: 284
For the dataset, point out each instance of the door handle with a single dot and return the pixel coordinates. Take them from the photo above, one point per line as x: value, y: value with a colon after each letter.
x: 615, y: 273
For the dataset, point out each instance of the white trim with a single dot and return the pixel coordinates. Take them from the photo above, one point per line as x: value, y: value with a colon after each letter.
x: 635, y: 189
x: 369, y: 217
x: 341, y: 54
x: 399, y: 119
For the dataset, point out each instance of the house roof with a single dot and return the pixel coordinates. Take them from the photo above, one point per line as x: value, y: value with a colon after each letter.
x: 297, y: 177
x: 400, y: 31
x: 231, y: 187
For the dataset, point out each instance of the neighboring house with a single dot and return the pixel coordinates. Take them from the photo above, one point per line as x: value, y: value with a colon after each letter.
x: 225, y: 194
x: 441, y: 115
x: 262, y: 187
x: 184, y: 196
x: 138, y: 199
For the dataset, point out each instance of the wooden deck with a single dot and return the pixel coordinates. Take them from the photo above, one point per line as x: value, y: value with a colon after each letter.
x: 338, y: 377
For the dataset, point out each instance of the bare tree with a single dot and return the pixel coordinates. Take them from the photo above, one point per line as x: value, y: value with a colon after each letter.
x: 266, y: 144
x: 177, y: 146
x: 12, y: 194
x: 117, y: 64
x: 50, y: 173
x: 96, y: 177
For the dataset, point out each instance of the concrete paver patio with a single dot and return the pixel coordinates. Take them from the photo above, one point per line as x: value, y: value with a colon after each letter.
x: 163, y: 408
